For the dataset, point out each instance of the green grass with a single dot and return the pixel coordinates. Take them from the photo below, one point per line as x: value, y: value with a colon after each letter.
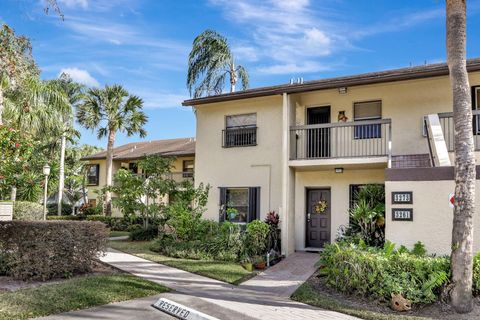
x: 307, y: 294
x: 74, y: 294
x: 118, y: 233
x: 224, y: 271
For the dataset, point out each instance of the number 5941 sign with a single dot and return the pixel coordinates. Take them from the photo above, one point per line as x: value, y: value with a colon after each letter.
x: 402, y: 214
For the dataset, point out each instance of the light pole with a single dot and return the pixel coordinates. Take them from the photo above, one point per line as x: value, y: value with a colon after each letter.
x: 46, y: 173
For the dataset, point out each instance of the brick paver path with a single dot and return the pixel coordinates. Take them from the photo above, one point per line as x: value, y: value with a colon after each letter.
x: 263, y: 297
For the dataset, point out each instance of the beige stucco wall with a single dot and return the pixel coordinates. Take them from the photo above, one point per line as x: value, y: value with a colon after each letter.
x: 405, y: 102
x: 339, y: 185
x: 255, y: 166
x: 432, y: 216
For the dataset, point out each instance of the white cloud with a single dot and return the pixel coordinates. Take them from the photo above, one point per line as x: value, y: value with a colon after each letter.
x: 156, y: 100
x: 294, y: 36
x: 75, y: 3
x: 81, y: 76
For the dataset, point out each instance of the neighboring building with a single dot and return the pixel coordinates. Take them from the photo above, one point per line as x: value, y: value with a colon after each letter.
x: 127, y: 156
x: 286, y: 147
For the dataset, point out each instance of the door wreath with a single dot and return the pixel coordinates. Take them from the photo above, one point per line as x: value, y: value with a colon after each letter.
x: 321, y: 206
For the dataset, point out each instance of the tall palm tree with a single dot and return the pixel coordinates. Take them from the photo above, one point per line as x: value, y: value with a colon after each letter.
x: 34, y: 108
x: 73, y: 91
x: 111, y: 110
x: 464, y: 210
x: 16, y: 63
x: 212, y: 60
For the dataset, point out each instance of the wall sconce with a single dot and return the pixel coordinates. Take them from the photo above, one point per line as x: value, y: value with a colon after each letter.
x: 342, y: 90
x: 338, y: 170
x: 342, y: 117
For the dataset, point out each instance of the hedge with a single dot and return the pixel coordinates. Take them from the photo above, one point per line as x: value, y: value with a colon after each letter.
x: 24, y: 210
x: 378, y: 273
x: 47, y: 249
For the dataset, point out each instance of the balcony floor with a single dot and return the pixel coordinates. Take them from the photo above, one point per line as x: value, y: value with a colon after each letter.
x: 330, y: 163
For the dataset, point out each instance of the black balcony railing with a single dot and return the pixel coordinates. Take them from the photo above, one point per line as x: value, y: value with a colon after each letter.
x: 239, y: 137
x: 370, y: 138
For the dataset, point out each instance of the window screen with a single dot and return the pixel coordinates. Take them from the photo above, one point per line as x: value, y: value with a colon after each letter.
x: 364, y: 111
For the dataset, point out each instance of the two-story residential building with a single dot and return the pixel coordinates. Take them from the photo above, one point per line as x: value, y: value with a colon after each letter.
x: 285, y: 148
x: 127, y: 156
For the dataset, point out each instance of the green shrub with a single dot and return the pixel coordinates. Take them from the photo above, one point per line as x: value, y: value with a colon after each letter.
x: 476, y: 274
x: 134, y: 227
x: 257, y: 237
x: 27, y: 211
x: 65, y: 218
x: 143, y: 234
x: 52, y: 209
x: 48, y: 249
x: 377, y: 273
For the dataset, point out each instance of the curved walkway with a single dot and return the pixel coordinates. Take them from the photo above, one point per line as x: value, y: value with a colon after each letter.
x: 263, y: 297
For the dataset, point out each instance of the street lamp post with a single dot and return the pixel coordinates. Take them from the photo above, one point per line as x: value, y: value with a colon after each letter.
x: 46, y: 173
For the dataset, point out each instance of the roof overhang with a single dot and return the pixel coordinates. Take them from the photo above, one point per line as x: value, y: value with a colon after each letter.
x: 412, y: 73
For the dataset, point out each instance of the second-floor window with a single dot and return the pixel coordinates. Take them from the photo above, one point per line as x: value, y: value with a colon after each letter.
x: 188, y: 167
x: 93, y: 173
x: 240, y: 130
x: 367, y: 111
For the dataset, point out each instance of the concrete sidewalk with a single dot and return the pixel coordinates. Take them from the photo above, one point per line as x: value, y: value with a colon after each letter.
x: 263, y: 297
x: 253, y: 299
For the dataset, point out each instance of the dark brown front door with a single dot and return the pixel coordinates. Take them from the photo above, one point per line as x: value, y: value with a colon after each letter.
x: 318, y: 221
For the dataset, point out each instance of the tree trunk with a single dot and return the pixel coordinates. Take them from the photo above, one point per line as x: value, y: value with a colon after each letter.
x: 462, y: 232
x: 1, y: 105
x: 84, y: 182
x: 108, y: 194
x: 61, y: 178
x: 233, y: 77
x: 13, y: 193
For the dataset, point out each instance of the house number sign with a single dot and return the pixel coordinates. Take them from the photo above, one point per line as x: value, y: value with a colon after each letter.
x: 402, y: 214
x: 402, y: 197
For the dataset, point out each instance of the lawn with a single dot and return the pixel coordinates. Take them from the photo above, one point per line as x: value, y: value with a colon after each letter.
x: 118, y: 233
x: 307, y: 294
x: 74, y: 294
x: 224, y: 271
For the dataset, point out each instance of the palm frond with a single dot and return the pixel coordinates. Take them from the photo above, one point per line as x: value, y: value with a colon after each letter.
x: 243, y: 76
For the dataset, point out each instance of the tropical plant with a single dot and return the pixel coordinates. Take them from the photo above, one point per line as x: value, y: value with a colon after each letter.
x: 367, y: 217
x: 73, y: 92
x: 210, y: 63
x: 256, y: 238
x: 16, y: 63
x: 273, y: 221
x: 111, y: 110
x: 465, y: 168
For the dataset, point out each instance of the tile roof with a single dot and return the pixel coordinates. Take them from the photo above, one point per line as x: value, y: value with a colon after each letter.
x: 137, y: 150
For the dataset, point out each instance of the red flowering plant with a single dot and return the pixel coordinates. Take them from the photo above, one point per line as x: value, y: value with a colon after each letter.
x: 273, y: 221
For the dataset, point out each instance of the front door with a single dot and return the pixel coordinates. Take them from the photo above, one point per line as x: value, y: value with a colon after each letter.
x: 318, y: 217
x: 318, y: 143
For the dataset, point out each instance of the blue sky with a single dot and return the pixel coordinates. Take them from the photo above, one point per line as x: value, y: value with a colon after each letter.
x: 144, y: 44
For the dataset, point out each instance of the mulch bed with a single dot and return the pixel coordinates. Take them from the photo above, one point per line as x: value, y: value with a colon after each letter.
x: 438, y: 310
x: 10, y: 284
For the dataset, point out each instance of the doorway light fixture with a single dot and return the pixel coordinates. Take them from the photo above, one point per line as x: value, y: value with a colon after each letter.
x: 342, y: 90
x: 338, y: 170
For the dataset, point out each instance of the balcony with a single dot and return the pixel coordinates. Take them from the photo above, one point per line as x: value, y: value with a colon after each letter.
x: 239, y: 137
x: 446, y: 121
x: 343, y: 140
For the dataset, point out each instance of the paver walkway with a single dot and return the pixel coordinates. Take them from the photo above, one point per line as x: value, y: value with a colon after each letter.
x: 264, y: 297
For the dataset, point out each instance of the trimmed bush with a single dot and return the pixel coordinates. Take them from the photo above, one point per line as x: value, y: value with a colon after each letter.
x: 476, y: 274
x: 143, y: 234
x: 48, y: 249
x: 52, y: 209
x: 68, y: 218
x: 377, y: 273
x: 27, y: 211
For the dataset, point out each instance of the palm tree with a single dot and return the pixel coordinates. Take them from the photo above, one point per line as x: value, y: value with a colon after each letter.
x: 462, y: 231
x: 108, y: 111
x: 16, y: 63
x: 73, y: 91
x: 212, y: 59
